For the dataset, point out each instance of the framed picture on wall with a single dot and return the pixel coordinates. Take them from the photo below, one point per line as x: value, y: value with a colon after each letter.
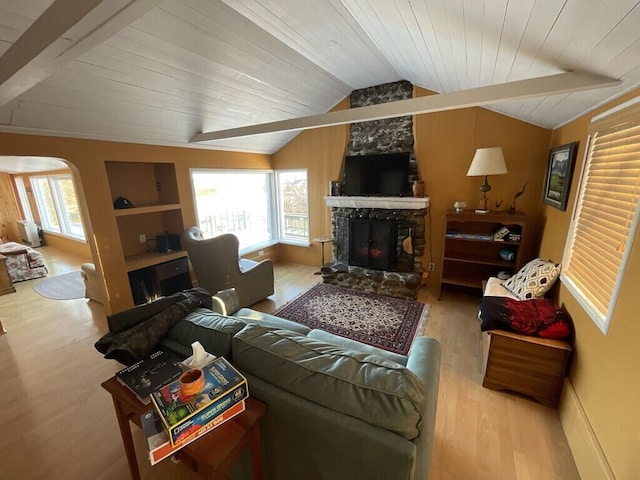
x: 559, y: 172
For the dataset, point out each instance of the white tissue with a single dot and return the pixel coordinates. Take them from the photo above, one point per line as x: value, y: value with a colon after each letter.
x: 199, y: 353
x: 199, y: 358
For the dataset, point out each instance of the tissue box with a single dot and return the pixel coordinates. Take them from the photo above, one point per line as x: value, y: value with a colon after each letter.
x: 223, y: 388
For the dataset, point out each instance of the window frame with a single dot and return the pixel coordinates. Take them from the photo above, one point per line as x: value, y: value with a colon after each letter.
x: 280, y: 209
x: 23, y: 196
x: 602, y: 320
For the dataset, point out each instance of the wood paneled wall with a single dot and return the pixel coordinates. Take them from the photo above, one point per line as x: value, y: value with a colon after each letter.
x: 444, y: 145
x: 600, y: 412
x: 9, y: 213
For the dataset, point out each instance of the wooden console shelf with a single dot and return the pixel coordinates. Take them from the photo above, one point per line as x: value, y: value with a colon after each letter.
x: 471, y: 254
x: 6, y: 285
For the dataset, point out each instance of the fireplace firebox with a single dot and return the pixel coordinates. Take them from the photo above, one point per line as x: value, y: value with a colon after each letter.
x: 386, y: 245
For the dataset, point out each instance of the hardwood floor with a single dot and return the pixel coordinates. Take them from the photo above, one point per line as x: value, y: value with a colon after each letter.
x: 58, y: 423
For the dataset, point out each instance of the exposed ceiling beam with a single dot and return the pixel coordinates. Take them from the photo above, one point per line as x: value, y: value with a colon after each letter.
x: 66, y: 30
x: 504, y: 92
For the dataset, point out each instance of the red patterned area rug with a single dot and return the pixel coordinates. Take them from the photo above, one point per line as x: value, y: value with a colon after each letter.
x: 384, y: 322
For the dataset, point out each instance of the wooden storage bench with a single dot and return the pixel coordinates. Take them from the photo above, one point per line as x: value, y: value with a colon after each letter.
x: 532, y: 366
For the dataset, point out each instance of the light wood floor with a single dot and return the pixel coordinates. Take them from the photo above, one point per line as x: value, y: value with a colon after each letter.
x: 58, y: 423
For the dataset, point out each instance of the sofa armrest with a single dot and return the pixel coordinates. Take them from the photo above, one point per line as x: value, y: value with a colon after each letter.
x: 424, y: 361
x: 257, y: 281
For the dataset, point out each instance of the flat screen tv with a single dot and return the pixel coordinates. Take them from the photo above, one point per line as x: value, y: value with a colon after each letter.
x: 381, y: 175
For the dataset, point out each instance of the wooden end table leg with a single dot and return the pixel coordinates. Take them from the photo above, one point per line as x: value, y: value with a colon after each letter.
x: 256, y: 452
x: 127, y: 439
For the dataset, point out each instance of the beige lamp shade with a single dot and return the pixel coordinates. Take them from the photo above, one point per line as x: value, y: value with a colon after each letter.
x: 487, y: 161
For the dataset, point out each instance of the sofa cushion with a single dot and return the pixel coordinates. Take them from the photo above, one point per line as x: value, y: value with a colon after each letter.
x: 368, y: 387
x: 343, y: 342
x: 212, y: 330
x: 253, y: 316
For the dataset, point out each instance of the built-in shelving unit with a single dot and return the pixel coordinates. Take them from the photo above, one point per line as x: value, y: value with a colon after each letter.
x: 153, y: 191
x: 471, y: 252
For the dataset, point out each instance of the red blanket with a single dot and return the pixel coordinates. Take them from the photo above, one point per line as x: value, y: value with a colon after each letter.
x: 537, y: 317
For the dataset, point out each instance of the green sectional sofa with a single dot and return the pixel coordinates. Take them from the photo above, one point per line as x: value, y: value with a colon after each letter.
x: 337, y: 409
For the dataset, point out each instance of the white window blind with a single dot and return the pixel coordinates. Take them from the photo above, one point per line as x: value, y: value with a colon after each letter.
x: 606, y: 215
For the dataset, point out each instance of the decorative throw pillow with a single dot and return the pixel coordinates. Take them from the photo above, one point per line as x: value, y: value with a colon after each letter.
x: 534, y: 279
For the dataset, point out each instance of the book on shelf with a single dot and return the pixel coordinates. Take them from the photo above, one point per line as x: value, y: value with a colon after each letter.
x: 149, y: 374
x: 158, y: 444
x: 500, y: 234
x: 182, y: 415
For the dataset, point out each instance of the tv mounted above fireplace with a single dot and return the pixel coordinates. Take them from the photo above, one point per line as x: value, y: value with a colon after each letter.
x: 381, y: 175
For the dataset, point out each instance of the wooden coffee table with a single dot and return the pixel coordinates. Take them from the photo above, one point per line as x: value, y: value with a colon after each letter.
x: 212, y: 454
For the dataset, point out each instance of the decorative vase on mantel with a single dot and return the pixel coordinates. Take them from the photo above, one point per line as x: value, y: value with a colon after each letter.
x: 418, y: 188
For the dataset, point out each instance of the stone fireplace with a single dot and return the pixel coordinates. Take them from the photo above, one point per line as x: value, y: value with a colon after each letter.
x: 379, y: 242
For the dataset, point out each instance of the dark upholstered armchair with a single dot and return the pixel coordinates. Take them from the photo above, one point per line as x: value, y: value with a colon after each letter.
x: 217, y: 266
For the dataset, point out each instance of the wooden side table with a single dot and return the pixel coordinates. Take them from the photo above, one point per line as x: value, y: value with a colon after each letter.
x: 211, y: 455
x: 6, y: 285
x: 321, y: 241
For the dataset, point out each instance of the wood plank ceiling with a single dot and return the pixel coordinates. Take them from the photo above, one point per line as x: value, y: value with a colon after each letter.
x: 180, y: 67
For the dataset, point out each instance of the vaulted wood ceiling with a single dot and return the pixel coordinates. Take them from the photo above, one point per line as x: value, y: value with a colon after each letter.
x: 159, y: 72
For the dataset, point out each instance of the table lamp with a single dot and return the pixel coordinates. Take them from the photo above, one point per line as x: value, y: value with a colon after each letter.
x: 486, y: 161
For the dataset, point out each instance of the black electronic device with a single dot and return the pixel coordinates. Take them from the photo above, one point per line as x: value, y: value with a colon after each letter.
x: 121, y: 202
x: 168, y: 242
x: 383, y: 175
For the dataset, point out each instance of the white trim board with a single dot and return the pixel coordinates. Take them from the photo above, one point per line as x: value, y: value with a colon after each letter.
x: 587, y: 453
x: 474, y: 97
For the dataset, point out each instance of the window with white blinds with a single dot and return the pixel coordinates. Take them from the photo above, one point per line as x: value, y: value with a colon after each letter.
x: 605, y: 218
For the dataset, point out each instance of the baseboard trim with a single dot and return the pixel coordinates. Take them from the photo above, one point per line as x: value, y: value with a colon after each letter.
x: 587, y: 453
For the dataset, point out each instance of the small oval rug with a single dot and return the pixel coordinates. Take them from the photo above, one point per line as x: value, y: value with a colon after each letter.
x: 62, y: 287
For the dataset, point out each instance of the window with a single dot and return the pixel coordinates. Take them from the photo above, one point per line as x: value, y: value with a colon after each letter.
x: 57, y: 205
x: 24, y: 199
x: 249, y: 205
x: 293, y: 205
x: 238, y: 202
x: 606, y: 215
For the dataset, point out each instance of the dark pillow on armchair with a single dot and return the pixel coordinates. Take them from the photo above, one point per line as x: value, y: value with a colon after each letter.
x: 537, y: 317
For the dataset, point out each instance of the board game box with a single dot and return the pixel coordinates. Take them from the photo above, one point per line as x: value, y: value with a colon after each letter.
x: 183, y: 415
x: 158, y: 443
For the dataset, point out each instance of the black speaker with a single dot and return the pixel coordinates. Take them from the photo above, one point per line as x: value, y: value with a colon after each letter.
x: 162, y: 243
x: 174, y: 242
x: 168, y: 242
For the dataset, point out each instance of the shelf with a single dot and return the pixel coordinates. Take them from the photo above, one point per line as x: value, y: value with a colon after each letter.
x: 497, y: 217
x: 481, y: 240
x: 148, y: 259
x: 471, y: 255
x: 146, y: 209
x: 480, y: 261
x: 463, y: 282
